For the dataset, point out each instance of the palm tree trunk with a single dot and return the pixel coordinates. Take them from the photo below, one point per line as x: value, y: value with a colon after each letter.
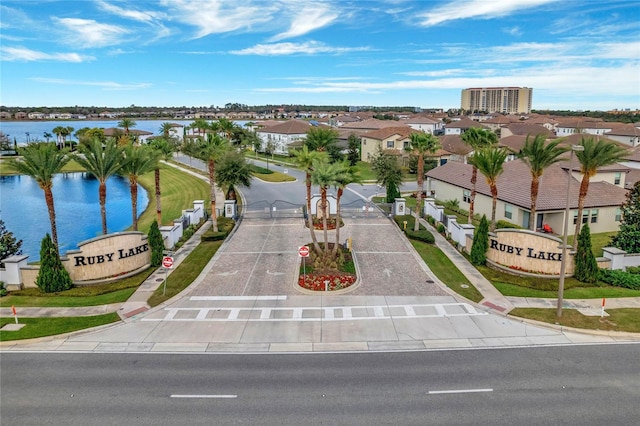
x: 316, y: 247
x: 472, y: 199
x: 308, y: 182
x: 48, y: 197
x: 158, y: 202
x: 584, y: 189
x: 323, y: 206
x: 416, y: 225
x: 212, y: 185
x: 535, y: 186
x: 494, y: 202
x: 335, y: 247
x: 102, y: 194
x: 133, y: 182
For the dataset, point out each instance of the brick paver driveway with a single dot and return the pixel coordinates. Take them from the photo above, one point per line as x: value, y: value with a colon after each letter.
x: 261, y: 258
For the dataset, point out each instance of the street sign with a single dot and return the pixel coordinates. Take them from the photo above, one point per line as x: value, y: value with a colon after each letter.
x: 303, y: 251
x: 167, y: 262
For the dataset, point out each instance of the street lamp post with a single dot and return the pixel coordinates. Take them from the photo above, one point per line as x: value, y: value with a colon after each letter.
x: 563, y: 261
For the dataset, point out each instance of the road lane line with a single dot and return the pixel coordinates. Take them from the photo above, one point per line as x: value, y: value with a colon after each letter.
x: 248, y: 298
x: 459, y: 391
x: 204, y: 396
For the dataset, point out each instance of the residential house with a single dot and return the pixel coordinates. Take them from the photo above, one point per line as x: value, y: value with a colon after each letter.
x: 371, y: 124
x: 627, y: 134
x: 460, y: 126
x: 425, y: 124
x: 281, y: 135
x: 602, y: 205
x: 581, y: 125
x: 390, y: 139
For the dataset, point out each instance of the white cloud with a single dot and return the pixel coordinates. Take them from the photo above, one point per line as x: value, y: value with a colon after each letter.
x: 11, y: 54
x: 482, y: 9
x: 106, y: 85
x: 514, y: 31
x: 89, y: 33
x: 129, y: 13
x: 308, y: 48
x: 309, y: 17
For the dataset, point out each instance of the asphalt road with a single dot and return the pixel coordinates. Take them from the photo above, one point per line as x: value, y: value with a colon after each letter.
x: 581, y: 385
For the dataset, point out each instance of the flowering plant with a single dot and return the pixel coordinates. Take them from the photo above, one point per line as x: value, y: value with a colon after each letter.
x: 318, y: 282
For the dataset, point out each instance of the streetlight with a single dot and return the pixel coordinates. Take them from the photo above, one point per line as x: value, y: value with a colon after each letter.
x: 563, y: 261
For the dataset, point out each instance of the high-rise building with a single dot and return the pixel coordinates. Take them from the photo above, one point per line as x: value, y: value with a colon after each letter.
x: 507, y: 100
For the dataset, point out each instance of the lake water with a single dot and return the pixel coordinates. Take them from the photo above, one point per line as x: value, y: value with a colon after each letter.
x: 24, y: 211
x: 36, y: 129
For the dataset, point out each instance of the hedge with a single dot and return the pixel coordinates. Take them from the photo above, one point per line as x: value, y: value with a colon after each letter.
x: 619, y: 278
x: 421, y: 235
x: 225, y: 225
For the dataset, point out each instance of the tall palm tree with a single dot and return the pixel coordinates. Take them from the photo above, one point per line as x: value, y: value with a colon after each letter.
x: 102, y: 163
x: 324, y: 175
x: 345, y: 175
x: 165, y: 150
x: 201, y: 125
x: 136, y: 161
x: 596, y: 154
x: 477, y: 139
x: 421, y: 144
x: 490, y: 162
x: 233, y: 171
x: 68, y: 131
x: 58, y: 130
x: 538, y: 156
x: 42, y: 161
x: 165, y: 129
x: 227, y: 127
x: 212, y: 150
x: 47, y: 136
x: 304, y: 160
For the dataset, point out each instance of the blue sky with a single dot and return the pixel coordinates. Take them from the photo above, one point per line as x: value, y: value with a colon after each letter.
x: 574, y: 54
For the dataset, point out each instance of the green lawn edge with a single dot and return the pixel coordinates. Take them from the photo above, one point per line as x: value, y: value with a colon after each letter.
x: 43, y: 327
x: 623, y: 320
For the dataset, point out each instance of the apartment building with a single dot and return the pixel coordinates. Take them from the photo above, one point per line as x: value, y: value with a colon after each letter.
x: 506, y: 100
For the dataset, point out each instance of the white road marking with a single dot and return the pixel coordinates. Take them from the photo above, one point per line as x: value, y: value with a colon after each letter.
x: 325, y: 313
x: 249, y: 298
x: 204, y: 396
x: 459, y: 391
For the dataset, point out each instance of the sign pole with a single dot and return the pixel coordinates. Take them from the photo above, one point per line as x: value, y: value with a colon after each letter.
x: 602, y: 311
x: 15, y: 314
x: 166, y: 276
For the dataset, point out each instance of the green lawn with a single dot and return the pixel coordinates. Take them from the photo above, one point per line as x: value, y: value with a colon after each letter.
x: 187, y: 272
x: 618, y: 320
x: 446, y: 271
x: 7, y: 170
x: 571, y: 293
x: 40, y: 327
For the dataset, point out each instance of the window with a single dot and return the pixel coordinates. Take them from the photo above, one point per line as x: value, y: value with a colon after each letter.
x: 594, y: 216
x: 406, y: 144
x: 575, y: 217
x: 508, y: 213
x: 585, y: 216
x: 466, y: 195
x: 389, y: 144
x: 618, y: 214
x: 617, y: 179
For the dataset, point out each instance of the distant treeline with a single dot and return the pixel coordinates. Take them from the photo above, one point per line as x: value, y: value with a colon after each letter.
x: 620, y: 116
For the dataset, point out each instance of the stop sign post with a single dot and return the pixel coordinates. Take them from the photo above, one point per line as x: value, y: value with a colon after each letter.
x: 167, y: 263
x: 303, y: 252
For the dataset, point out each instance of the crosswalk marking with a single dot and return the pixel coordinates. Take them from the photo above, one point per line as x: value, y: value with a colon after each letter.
x: 312, y: 313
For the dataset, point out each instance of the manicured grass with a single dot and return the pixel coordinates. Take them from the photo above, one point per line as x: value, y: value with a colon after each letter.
x: 99, y: 294
x: 618, y: 320
x: 446, y: 271
x: 274, y: 177
x: 187, y: 272
x: 39, y: 327
x: 7, y: 170
x: 571, y: 293
x: 598, y: 241
x: 179, y: 190
x: 364, y: 169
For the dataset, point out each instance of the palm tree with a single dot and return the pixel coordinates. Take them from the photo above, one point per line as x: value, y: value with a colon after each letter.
x: 201, y: 125
x: 320, y: 139
x: 345, y: 175
x: 477, y: 138
x: 421, y: 144
x: 102, y: 163
x: 137, y: 160
x: 58, y: 130
x: 324, y: 175
x: 490, y: 162
x: 304, y: 160
x: 226, y: 126
x: 47, y: 136
x: 126, y: 124
x: 211, y: 151
x: 165, y: 149
x: 233, y: 171
x: 42, y: 161
x: 68, y: 131
x: 165, y: 129
x: 596, y: 154
x: 538, y: 156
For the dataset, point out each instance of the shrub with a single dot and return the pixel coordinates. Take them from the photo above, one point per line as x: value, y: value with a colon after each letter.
x: 422, y: 235
x: 501, y: 224
x: 225, y: 225
x: 156, y: 243
x: 431, y: 220
x: 480, y: 243
x: 440, y: 228
x: 52, y: 277
x: 586, y: 265
x: 619, y: 278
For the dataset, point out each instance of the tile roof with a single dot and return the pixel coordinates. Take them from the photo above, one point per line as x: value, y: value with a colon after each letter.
x: 513, y: 143
x: 454, y: 145
x: 371, y: 124
x: 384, y: 133
x: 525, y: 129
x: 515, y: 182
x: 289, y: 127
x: 465, y: 123
x: 624, y: 130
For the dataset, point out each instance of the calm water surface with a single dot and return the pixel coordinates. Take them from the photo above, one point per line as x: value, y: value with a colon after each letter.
x: 24, y: 211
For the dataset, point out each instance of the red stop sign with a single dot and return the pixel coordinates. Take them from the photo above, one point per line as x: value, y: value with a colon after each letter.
x: 167, y: 262
x: 303, y: 251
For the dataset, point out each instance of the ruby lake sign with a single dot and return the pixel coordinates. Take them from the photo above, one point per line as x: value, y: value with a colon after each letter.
x: 108, y: 256
x: 526, y: 251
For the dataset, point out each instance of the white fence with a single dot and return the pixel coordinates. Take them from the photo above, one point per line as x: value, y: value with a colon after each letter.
x: 458, y: 232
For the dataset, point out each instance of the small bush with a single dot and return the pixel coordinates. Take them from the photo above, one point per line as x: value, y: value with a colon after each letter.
x: 501, y: 224
x: 213, y: 236
x: 619, y: 278
x: 422, y: 235
x: 225, y: 225
x: 633, y: 269
x: 440, y: 228
x: 400, y: 219
x: 431, y: 220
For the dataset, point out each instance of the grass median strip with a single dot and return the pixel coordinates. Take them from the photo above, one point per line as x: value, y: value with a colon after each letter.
x: 618, y: 320
x: 40, y: 327
x: 187, y: 272
x: 446, y: 271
